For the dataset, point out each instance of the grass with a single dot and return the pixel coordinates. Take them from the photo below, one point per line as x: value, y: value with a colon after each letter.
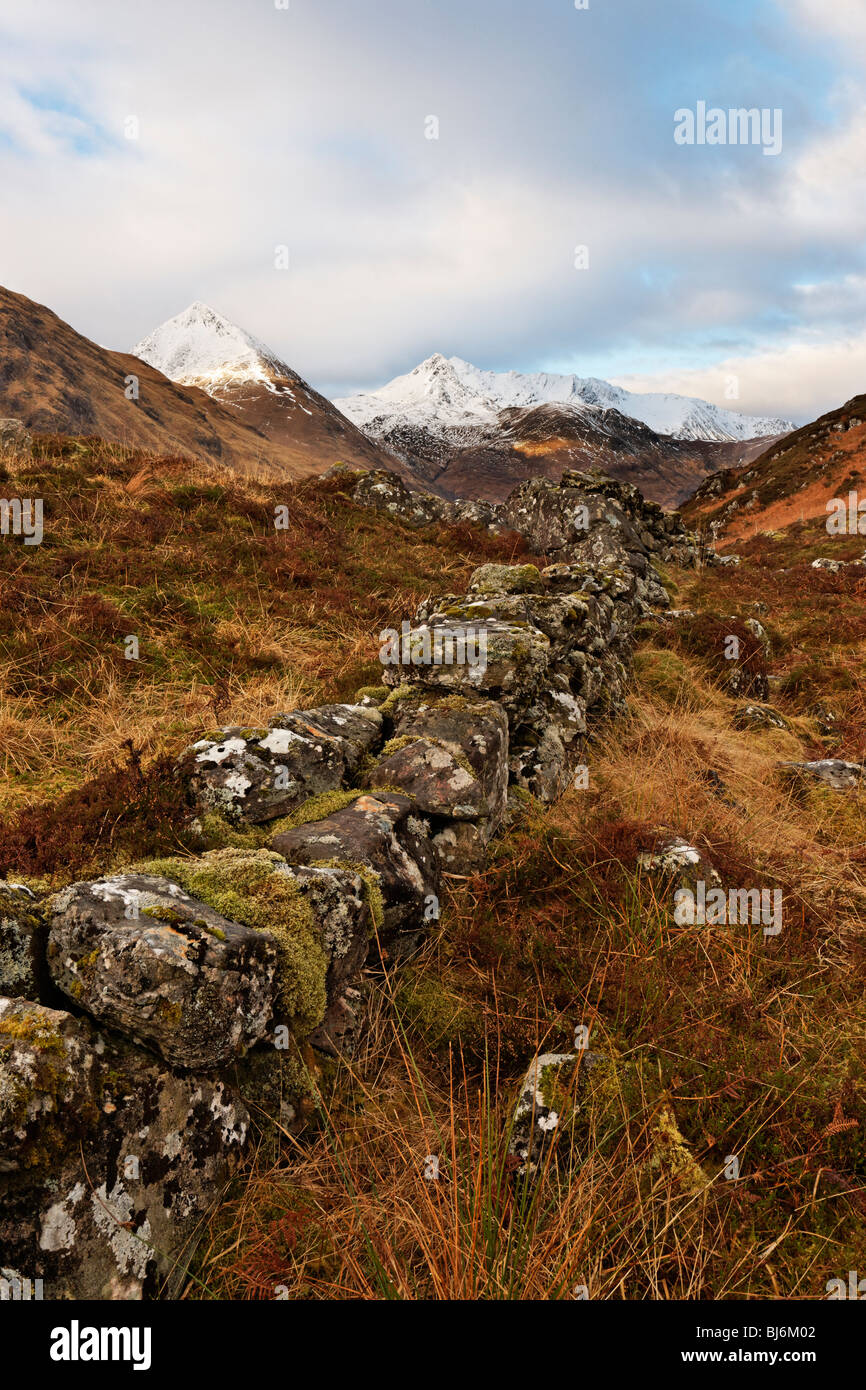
x: 723, y: 1044
x: 234, y: 620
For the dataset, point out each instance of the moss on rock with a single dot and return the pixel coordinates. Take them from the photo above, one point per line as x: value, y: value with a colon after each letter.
x: 246, y: 886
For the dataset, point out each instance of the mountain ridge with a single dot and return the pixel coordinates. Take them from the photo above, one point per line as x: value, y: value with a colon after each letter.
x: 452, y: 394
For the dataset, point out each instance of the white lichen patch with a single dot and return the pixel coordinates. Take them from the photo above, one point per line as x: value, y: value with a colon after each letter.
x: 218, y: 752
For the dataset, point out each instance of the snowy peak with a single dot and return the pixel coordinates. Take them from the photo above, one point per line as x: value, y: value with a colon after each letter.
x: 199, y: 347
x: 447, y: 394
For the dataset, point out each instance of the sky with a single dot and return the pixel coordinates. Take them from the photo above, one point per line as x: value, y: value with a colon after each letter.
x: 274, y: 159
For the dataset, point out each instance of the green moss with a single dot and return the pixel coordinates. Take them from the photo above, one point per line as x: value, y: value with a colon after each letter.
x: 400, y: 693
x: 214, y: 831
x: 372, y: 692
x: 165, y: 914
x: 316, y: 808
x: 436, y: 1011
x: 246, y: 887
x: 671, y: 1154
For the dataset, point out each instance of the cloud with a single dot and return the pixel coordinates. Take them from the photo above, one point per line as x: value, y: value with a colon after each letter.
x: 796, y: 381
x: 260, y: 127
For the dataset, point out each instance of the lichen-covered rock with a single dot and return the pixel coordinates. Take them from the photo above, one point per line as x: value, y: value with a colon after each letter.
x: 546, y: 1100
x: 143, y: 956
x: 547, y: 744
x: 345, y: 908
x: 759, y: 717
x: 433, y: 775
x: 506, y: 579
x: 682, y: 864
x: 384, y: 491
x: 319, y: 919
x: 108, y: 1159
x: 23, y: 937
x: 384, y: 833
x: 451, y: 756
x: 14, y: 436
x: 832, y: 772
x: 252, y: 776
x: 504, y: 661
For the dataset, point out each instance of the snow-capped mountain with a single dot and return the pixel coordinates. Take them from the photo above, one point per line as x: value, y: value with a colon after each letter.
x: 201, y: 348
x: 450, y: 397
x: 475, y: 433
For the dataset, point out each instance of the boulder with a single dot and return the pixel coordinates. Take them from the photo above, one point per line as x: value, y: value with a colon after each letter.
x: 503, y: 661
x: 108, y: 1159
x: 832, y: 772
x: 14, y: 437
x: 144, y: 957
x: 384, y: 833
x: 451, y: 756
x: 23, y: 938
x: 255, y: 775
x: 506, y: 579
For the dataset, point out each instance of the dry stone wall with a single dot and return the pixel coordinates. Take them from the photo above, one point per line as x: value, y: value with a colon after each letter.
x: 144, y: 1013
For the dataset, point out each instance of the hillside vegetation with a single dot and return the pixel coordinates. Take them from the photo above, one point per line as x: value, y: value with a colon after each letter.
x: 730, y: 1044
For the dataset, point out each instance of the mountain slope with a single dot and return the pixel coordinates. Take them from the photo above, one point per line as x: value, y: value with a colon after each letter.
x: 202, y: 349
x: 473, y: 433
x: 58, y: 381
x: 791, y: 481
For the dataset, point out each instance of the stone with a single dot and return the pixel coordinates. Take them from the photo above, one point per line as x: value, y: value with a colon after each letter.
x: 506, y: 579
x: 759, y: 717
x: 144, y: 957
x: 108, y: 1160
x: 23, y: 938
x: 682, y: 863
x: 251, y: 776
x: 451, y: 756
x: 14, y: 437
x: 434, y: 776
x: 340, y: 902
x: 507, y: 660
x: 386, y: 492
x: 546, y: 1101
x: 547, y: 745
x: 832, y: 772
x: 385, y: 833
